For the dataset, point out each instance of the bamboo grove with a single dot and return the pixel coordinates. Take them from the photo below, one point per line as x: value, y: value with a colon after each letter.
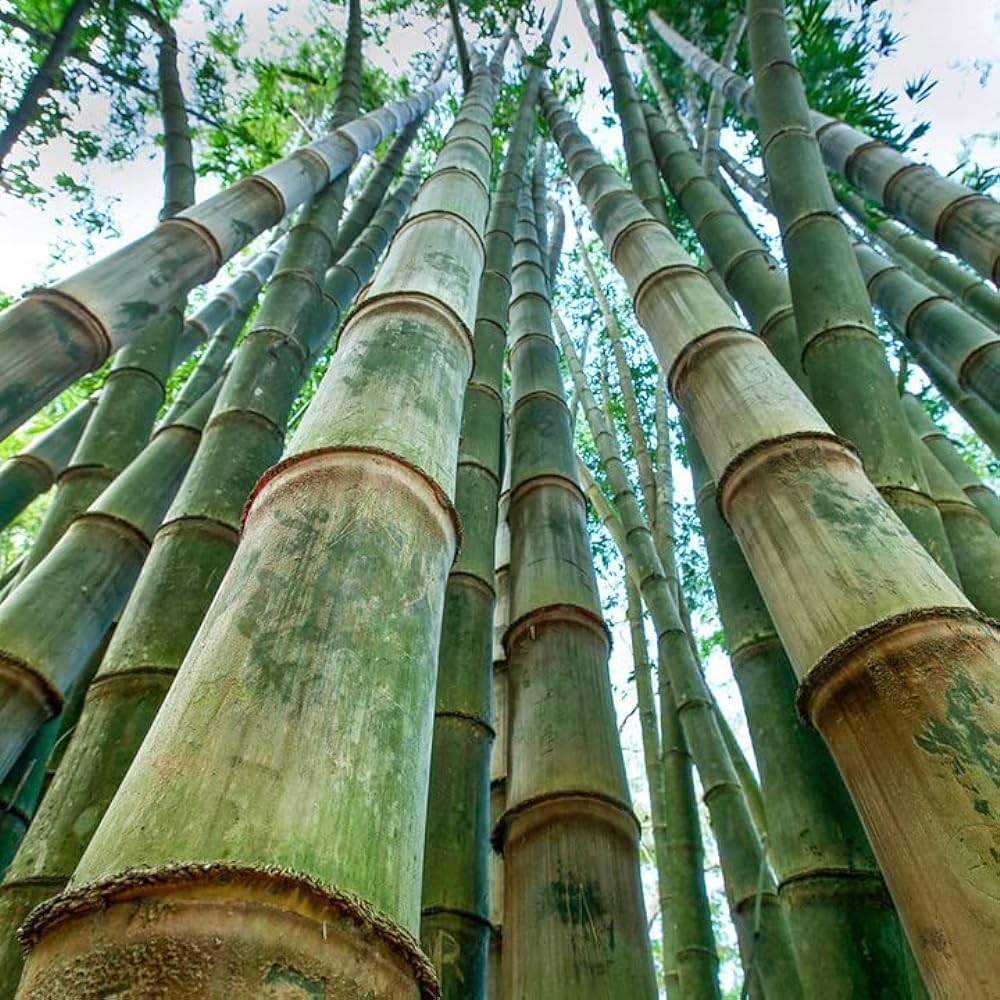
x: 378, y: 527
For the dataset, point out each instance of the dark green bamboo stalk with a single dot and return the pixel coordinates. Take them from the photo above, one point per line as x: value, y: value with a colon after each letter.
x: 810, y: 522
x: 948, y: 455
x: 573, y: 914
x: 851, y: 383
x: 717, y: 101
x: 461, y: 48
x: 355, y: 525
x: 54, y: 335
x: 538, y: 198
x: 693, y: 728
x: 968, y: 290
x: 650, y: 730
x: 968, y: 348
x: 188, y: 560
x: 955, y: 217
x: 974, y: 543
x: 846, y: 936
x: 43, y: 78
x: 555, y: 247
x: 746, y: 267
x: 178, y: 158
x: 33, y: 471
x: 455, y: 925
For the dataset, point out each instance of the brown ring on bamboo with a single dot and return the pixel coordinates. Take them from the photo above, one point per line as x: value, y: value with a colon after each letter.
x: 242, y: 413
x: 32, y: 880
x: 710, y: 791
x: 521, y: 338
x: 682, y: 363
x: 947, y: 213
x: 537, y: 394
x: 819, y: 335
x: 738, y: 259
x: 870, y: 283
x: 87, y: 469
x: 812, y: 882
x: 856, y: 153
x: 483, y: 585
x: 276, y: 333
x: 747, y: 461
x: 302, y: 273
x: 135, y: 536
x: 476, y: 918
x: 467, y: 717
x: 801, y: 131
x: 486, y: 388
x: 776, y: 317
x: 970, y: 360
x: 922, y: 306
x: 441, y: 172
x: 307, y: 223
x: 443, y: 501
x: 41, y: 690
x: 113, y: 677
x: 809, y: 217
x: 767, y: 898
x: 37, y: 463
x: 228, y: 295
x: 195, y: 322
x: 205, y: 525
x: 842, y: 665
x: 307, y: 153
x: 203, y: 233
x: 569, y: 613
x: 544, y: 479
x: 177, y: 425
x: 136, y: 370
x: 92, y: 325
x: 311, y: 896
x: 886, y: 490
x: 751, y: 647
x: 619, y: 811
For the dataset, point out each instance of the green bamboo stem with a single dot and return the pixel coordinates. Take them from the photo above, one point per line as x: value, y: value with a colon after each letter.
x: 33, y: 471
x: 638, y: 154
x: 926, y: 263
x: 955, y: 217
x: 692, y: 728
x: 539, y: 202
x: 717, y: 101
x: 44, y: 77
x: 56, y: 334
x: 974, y: 543
x: 455, y: 926
x: 555, y: 247
x: 968, y: 348
x: 833, y: 313
x: 54, y: 620
x: 810, y: 522
x: 461, y: 47
x: 178, y: 158
x: 186, y: 564
x: 949, y: 456
x: 355, y: 525
x: 846, y: 936
x: 746, y: 267
x: 573, y: 915
x: 653, y: 757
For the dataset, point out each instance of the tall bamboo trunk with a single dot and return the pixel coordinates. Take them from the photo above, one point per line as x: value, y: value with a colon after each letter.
x: 44, y: 77
x: 455, y: 926
x: 55, y: 335
x: 319, y: 853
x: 715, y: 112
x: 52, y: 623
x: 34, y: 470
x: 948, y: 455
x: 955, y: 217
x: 850, y: 380
x: 891, y: 628
x: 966, y: 347
x: 186, y: 564
x: 690, y: 725
x: 970, y: 291
x: 573, y: 916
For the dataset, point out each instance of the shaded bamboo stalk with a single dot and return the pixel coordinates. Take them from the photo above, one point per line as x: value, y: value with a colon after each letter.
x: 833, y: 314
x: 717, y: 102
x: 44, y: 77
x: 955, y: 217
x: 949, y: 456
x: 186, y: 564
x: 455, y: 926
x: 355, y: 525
x: 54, y: 620
x: 573, y: 913
x: 33, y: 471
x: 689, y: 724
x: 968, y: 348
x: 55, y: 335
x: 887, y: 609
x: 968, y: 290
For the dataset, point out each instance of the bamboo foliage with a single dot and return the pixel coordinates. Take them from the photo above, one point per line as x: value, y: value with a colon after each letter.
x: 455, y: 923
x: 953, y: 216
x: 34, y: 470
x: 569, y: 838
x: 880, y: 606
x: 188, y: 559
x: 56, y: 334
x: 355, y: 525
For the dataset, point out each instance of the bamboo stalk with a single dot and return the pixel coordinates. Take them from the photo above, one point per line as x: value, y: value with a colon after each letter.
x: 955, y: 217
x: 355, y: 525
x: 55, y: 335
x: 948, y: 455
x: 188, y: 559
x: 573, y: 915
x: 880, y: 608
x: 455, y: 926
x: 33, y: 471
x: 969, y: 290
x: 717, y: 101
x: 968, y: 348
